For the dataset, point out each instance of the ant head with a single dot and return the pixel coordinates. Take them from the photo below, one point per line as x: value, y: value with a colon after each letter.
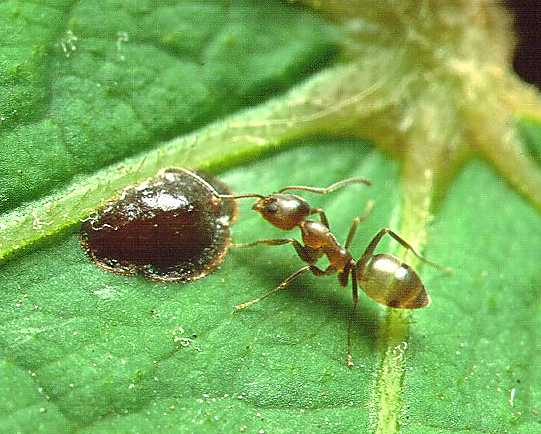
x: 285, y: 211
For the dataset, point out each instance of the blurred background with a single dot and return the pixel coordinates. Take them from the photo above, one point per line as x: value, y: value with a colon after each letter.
x: 527, y: 62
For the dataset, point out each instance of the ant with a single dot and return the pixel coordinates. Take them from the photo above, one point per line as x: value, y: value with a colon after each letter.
x: 384, y: 277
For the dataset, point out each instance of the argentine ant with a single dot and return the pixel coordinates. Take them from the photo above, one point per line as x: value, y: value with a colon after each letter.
x: 384, y: 277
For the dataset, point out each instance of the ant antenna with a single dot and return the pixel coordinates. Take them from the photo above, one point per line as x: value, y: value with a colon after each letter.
x: 240, y: 196
x: 200, y: 180
x: 213, y: 190
x: 328, y: 189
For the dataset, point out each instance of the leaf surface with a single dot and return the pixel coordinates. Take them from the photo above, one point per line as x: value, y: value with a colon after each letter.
x: 107, y: 80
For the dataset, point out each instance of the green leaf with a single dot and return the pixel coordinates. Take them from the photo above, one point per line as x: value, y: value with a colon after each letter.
x: 99, y: 96
x: 478, y: 342
x: 106, y: 349
x: 531, y: 131
x: 106, y: 80
x: 104, y: 352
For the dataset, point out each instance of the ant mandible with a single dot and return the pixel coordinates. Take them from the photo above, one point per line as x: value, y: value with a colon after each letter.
x: 384, y: 277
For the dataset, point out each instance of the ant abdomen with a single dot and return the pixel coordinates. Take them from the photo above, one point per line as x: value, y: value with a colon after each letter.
x: 391, y: 282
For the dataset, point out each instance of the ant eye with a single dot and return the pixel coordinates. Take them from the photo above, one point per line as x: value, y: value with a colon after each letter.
x: 271, y: 208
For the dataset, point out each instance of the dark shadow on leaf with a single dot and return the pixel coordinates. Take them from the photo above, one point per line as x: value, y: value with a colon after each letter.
x: 330, y: 304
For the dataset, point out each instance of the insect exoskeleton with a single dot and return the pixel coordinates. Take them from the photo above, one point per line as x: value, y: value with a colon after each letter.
x: 391, y: 282
x: 384, y: 278
x: 285, y: 211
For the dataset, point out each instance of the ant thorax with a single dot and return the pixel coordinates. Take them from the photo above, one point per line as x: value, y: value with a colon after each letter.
x: 317, y: 236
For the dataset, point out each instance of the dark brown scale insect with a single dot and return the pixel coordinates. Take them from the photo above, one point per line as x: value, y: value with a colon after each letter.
x: 170, y: 228
x: 384, y: 277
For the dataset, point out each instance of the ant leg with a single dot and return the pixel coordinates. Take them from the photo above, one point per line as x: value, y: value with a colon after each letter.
x: 315, y: 270
x: 351, y: 233
x: 386, y: 231
x: 356, y: 221
x: 276, y: 242
x: 307, y: 254
x: 272, y: 291
x: 355, y: 295
x: 319, y: 272
x: 322, y: 216
x: 328, y: 189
